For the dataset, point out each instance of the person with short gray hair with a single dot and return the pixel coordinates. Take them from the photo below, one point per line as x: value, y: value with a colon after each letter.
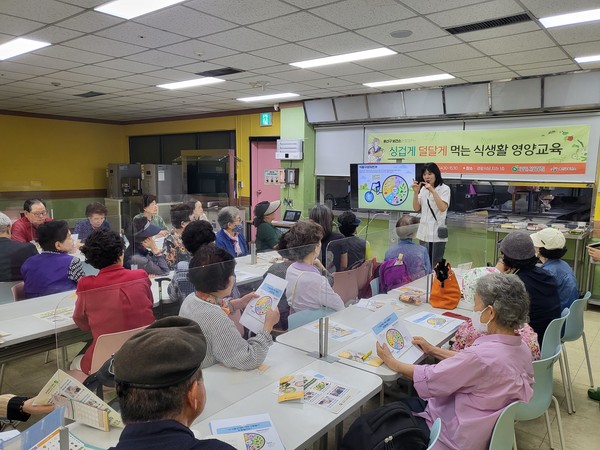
x: 12, y: 253
x: 231, y: 235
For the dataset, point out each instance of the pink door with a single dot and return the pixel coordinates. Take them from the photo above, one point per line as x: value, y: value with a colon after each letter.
x: 262, y: 154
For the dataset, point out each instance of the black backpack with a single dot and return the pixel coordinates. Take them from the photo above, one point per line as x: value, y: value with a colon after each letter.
x: 390, y: 427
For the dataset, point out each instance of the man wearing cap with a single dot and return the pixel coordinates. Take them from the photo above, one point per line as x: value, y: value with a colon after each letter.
x: 518, y: 257
x: 160, y: 387
x: 550, y: 247
x: 12, y: 253
x: 267, y: 235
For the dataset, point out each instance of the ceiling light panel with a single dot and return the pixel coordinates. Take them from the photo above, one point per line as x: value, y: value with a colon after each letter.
x: 571, y: 18
x: 414, y: 80
x: 128, y: 9
x: 347, y: 57
x: 264, y: 98
x: 19, y: 46
x: 191, y: 83
x: 587, y: 59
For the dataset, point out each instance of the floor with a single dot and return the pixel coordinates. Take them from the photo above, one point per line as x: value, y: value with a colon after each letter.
x: 582, y: 429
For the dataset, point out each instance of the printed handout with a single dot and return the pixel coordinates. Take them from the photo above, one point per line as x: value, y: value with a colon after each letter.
x: 337, y: 331
x: 435, y: 321
x: 326, y: 392
x: 390, y: 331
x: 58, y: 316
x: 258, y: 430
x: 269, y: 294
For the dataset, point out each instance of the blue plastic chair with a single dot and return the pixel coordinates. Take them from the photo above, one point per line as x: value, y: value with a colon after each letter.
x: 542, y: 397
x: 434, y: 433
x: 375, y: 286
x: 300, y: 318
x: 573, y: 331
x: 503, y: 436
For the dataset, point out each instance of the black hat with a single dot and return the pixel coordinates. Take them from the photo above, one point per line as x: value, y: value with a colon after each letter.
x: 265, y: 208
x: 166, y: 353
x: 518, y: 246
x: 144, y: 228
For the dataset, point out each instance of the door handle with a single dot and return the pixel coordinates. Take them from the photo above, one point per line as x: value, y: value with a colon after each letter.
x: 258, y: 192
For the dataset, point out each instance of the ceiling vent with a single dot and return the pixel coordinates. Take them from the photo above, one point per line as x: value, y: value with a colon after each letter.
x: 90, y: 94
x: 487, y: 24
x: 219, y: 72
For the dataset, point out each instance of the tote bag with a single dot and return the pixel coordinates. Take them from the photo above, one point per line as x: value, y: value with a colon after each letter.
x: 445, y: 292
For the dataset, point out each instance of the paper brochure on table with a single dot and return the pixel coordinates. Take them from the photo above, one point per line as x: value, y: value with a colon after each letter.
x: 291, y: 387
x: 373, y: 305
x: 326, y: 392
x: 337, y: 331
x: 57, y: 316
x: 368, y: 358
x: 435, y: 321
x: 269, y: 294
x: 63, y: 387
x: 259, y: 431
x: 52, y: 442
x: 391, y: 332
x: 242, y: 276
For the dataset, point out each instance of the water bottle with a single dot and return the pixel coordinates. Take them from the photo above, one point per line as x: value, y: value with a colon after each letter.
x: 252, y: 252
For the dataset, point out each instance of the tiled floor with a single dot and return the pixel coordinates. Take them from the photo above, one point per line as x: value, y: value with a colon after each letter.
x: 582, y: 429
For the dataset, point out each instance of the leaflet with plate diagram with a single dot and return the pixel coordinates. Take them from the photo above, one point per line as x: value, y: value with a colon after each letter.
x: 391, y: 332
x: 258, y: 431
x: 291, y: 387
x: 269, y: 294
x: 435, y: 321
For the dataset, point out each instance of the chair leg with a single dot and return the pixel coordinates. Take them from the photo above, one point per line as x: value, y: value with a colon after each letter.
x: 569, y: 381
x: 2, y: 367
x: 515, y: 441
x: 587, y: 358
x: 559, y: 421
x: 47, y: 358
x: 565, y: 383
x: 547, y: 417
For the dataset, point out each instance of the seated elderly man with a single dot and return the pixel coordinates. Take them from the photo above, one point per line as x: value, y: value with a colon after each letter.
x: 160, y: 387
x: 25, y: 229
x: 12, y: 254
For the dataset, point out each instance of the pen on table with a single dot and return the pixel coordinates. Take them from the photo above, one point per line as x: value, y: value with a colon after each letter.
x: 366, y: 355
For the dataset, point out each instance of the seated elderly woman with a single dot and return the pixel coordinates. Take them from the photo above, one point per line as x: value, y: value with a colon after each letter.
x: 469, y: 390
x: 415, y: 256
x: 230, y: 237
x: 308, y: 287
x: 95, y: 214
x: 173, y: 248
x: 144, y: 252
x: 212, y: 274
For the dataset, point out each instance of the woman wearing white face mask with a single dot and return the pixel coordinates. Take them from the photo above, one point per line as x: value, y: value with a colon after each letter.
x: 469, y: 390
x: 230, y: 237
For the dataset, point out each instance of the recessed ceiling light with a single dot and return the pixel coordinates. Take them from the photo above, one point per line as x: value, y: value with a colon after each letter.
x: 587, y: 59
x: 19, y: 46
x: 401, y: 34
x: 190, y: 83
x: 261, y: 98
x: 128, y: 9
x: 415, y: 80
x: 347, y: 57
x: 571, y: 18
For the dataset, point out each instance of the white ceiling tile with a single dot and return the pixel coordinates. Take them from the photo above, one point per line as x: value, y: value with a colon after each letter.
x: 559, y: 62
x: 76, y: 77
x: 170, y: 75
x: 389, y: 62
x: 297, y: 26
x: 336, y: 44
x: 99, y: 71
x: 244, y: 62
x: 288, y: 53
x: 506, y: 30
x: 6, y: 76
x: 514, y: 44
x: 328, y: 83
x: 470, y: 64
x: 243, y: 40
x: 51, y: 11
x: 91, y: 21
x: 104, y: 46
x: 425, y: 44
x: 575, y: 34
x: 129, y: 66
x: 198, y: 50
x: 185, y: 21
x: 548, y: 70
x: 585, y: 49
x: 544, y: 54
x: 119, y: 84
x: 199, y: 67
x: 143, y: 79
x: 409, y: 72
x: 545, y: 8
x: 276, y: 69
x: 44, y: 61
x: 489, y: 71
x: 85, y: 3
x: 159, y: 58
x: 449, y: 53
x: 309, y: 3
x: 338, y: 70
x: 14, y: 66
x: 476, y: 13
x: 430, y: 6
x: 420, y: 27
x: 71, y: 54
x: 361, y: 13
x: 243, y: 11
x: 16, y: 26
x: 139, y: 34
x: 489, y: 77
x: 34, y: 87
x: 54, y: 35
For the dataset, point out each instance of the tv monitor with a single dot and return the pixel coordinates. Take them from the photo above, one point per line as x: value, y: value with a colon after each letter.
x: 382, y: 187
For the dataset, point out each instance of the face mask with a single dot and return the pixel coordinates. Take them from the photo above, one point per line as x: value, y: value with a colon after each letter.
x: 478, y: 325
x: 238, y: 228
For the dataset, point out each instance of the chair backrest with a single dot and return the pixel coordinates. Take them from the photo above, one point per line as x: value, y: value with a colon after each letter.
x: 108, y: 344
x: 542, y: 390
x: 552, y: 337
x: 363, y: 274
x: 574, y: 323
x: 375, y: 286
x: 18, y: 291
x: 503, y: 435
x: 300, y: 318
x: 434, y: 433
x: 345, y: 285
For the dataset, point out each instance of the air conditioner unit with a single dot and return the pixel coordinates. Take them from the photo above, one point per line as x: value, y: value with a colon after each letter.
x: 289, y: 149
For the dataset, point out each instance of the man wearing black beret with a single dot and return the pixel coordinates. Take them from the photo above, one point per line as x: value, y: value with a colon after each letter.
x: 160, y: 387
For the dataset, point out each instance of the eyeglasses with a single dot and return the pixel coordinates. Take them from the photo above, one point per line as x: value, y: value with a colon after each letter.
x: 40, y: 213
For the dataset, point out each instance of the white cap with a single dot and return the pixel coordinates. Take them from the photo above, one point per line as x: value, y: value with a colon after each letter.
x: 549, y: 238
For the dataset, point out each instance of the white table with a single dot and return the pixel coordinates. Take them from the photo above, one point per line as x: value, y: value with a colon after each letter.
x: 249, y: 273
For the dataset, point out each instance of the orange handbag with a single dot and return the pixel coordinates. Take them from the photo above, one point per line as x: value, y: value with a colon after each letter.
x: 445, y: 292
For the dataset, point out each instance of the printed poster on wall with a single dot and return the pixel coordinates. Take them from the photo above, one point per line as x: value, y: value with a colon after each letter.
x: 518, y: 151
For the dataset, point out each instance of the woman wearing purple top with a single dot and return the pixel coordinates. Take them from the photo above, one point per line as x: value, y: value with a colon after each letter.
x: 469, y: 390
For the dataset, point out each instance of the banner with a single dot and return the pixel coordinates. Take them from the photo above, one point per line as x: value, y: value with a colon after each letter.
x: 545, y: 150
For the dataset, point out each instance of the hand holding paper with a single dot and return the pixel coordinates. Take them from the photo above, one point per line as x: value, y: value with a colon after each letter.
x: 269, y: 294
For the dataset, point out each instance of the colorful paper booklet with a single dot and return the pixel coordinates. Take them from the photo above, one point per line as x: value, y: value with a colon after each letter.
x: 259, y: 431
x: 269, y: 294
x: 391, y: 332
x: 291, y: 387
x: 435, y: 321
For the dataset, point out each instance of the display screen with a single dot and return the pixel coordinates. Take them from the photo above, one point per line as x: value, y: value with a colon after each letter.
x: 382, y: 187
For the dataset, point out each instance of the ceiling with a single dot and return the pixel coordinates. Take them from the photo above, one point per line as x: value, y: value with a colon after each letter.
x: 92, y: 51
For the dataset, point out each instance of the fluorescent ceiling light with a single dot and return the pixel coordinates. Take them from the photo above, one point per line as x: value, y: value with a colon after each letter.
x: 416, y: 80
x: 190, y: 83
x: 128, y: 9
x: 19, y: 46
x: 586, y: 59
x: 261, y: 98
x: 572, y: 18
x: 348, y: 57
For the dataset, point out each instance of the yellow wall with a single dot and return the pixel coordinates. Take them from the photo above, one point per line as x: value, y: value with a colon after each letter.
x: 47, y: 154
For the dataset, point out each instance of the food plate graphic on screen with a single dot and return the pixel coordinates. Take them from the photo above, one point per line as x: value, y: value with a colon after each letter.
x: 394, y: 339
x: 254, y: 441
x: 262, y: 305
x: 385, y: 186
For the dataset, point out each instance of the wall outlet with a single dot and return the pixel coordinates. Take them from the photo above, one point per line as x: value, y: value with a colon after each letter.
x: 240, y: 185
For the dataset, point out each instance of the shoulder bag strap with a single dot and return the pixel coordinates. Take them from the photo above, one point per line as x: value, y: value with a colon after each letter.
x: 431, y: 209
